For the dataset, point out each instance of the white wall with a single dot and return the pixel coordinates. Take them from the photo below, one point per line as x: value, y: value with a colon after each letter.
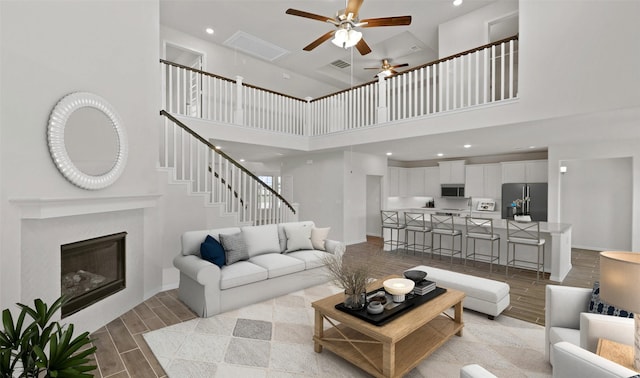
x: 229, y: 63
x: 50, y: 49
x: 472, y: 29
x: 318, y: 186
x: 590, y: 152
x: 596, y: 198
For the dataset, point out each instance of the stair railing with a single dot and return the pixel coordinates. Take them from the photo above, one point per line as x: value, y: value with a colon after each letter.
x: 224, y: 180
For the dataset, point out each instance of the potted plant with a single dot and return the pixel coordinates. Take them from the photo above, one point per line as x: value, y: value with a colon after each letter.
x: 42, y: 347
x: 352, y: 276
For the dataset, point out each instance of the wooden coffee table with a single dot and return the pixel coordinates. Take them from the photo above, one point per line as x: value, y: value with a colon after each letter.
x: 395, y: 348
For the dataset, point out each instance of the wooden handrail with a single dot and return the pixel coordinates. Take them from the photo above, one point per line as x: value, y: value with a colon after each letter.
x: 515, y: 37
x: 227, y: 79
x: 212, y: 147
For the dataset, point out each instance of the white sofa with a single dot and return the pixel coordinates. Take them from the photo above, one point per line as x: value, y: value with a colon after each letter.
x: 269, y: 272
x: 567, y: 319
x: 573, y: 361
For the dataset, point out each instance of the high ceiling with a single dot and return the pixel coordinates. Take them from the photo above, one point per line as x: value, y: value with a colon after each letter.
x: 266, y: 19
x: 415, y: 44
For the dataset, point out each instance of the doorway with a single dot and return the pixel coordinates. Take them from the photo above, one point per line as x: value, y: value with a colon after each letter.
x: 192, y: 93
x: 374, y: 201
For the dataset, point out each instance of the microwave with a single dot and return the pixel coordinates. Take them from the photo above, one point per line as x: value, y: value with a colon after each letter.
x: 452, y: 190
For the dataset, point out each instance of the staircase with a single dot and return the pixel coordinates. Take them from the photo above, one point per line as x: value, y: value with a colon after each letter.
x: 221, y: 180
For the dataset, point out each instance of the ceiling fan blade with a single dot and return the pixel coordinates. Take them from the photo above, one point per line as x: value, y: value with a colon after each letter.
x: 400, y: 65
x: 319, y: 41
x: 371, y: 68
x: 353, y: 7
x: 393, y: 72
x: 295, y: 12
x: 386, y: 21
x: 363, y: 47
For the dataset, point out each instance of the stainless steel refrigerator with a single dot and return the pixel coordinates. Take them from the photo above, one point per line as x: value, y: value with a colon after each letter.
x: 537, y: 194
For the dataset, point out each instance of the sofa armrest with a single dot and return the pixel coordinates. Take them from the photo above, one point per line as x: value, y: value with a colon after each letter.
x: 199, y: 270
x: 335, y: 247
x: 475, y: 371
x: 614, y: 328
x: 572, y: 361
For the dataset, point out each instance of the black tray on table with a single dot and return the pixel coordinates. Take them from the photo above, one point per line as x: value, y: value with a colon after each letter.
x: 411, y: 300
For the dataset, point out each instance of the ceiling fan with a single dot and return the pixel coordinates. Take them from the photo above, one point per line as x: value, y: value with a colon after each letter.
x: 346, y: 21
x: 387, y: 68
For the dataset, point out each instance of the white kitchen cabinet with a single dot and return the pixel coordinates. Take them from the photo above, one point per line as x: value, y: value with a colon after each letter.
x: 415, y: 182
x: 393, y: 181
x: 483, y: 180
x: 452, y: 172
x: 403, y: 182
x: 432, y: 181
x: 524, y: 171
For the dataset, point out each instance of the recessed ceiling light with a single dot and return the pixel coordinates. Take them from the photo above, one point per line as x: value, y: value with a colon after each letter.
x: 467, y: 146
x: 389, y: 153
x: 242, y: 160
x: 457, y: 2
x: 532, y: 146
x: 218, y: 147
x: 209, y: 30
x: 440, y: 154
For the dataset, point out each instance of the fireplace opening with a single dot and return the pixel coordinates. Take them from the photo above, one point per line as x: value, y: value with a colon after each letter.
x: 92, y: 270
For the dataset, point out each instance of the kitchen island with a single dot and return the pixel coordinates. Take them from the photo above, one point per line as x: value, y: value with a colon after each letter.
x: 557, y: 258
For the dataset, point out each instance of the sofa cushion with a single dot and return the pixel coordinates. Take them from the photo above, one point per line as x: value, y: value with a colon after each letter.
x: 318, y: 236
x: 597, y: 306
x: 298, y: 237
x: 191, y: 240
x: 312, y: 258
x: 557, y: 334
x: 241, y: 273
x: 261, y: 239
x: 212, y: 251
x: 234, y: 247
x: 277, y: 264
x: 283, y: 237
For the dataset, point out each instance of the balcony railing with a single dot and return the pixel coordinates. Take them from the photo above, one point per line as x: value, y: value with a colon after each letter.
x: 481, y: 76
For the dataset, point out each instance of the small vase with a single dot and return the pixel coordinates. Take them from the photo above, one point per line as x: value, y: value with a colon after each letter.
x: 354, y: 301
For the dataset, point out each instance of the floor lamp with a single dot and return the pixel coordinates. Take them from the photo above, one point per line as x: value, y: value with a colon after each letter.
x: 620, y: 287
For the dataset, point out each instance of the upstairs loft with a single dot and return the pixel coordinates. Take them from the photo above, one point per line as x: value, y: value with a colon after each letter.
x: 476, y: 79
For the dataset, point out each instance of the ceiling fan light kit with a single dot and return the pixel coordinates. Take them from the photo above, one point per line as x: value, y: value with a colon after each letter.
x: 346, y: 38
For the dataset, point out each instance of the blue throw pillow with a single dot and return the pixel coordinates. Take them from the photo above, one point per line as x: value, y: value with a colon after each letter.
x: 597, y: 306
x: 212, y: 251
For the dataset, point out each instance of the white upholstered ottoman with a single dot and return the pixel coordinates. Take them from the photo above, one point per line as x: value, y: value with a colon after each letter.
x: 483, y: 295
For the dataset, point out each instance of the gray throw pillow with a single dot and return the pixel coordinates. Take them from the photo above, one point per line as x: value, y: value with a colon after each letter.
x: 234, y: 247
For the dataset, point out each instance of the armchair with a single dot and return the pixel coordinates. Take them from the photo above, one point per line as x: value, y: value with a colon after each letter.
x: 573, y: 361
x: 567, y: 319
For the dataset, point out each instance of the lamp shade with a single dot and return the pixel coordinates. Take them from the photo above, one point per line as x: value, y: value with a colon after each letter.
x: 620, y: 279
x: 346, y: 38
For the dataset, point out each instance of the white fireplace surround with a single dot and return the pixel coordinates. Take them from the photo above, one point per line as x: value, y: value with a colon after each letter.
x: 46, y: 224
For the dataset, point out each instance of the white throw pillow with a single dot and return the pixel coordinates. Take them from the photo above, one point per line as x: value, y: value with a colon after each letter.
x: 298, y: 237
x: 261, y: 239
x: 318, y: 236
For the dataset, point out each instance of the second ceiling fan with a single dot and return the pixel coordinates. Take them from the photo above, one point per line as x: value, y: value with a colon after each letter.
x: 346, y: 22
x: 387, y: 68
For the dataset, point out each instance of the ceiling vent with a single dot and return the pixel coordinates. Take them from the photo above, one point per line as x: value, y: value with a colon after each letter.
x: 340, y: 64
x: 255, y: 46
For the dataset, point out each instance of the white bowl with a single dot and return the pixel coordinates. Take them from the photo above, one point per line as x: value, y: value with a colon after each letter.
x: 398, y: 286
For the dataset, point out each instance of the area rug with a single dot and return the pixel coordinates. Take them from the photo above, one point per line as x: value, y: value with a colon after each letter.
x: 274, y: 339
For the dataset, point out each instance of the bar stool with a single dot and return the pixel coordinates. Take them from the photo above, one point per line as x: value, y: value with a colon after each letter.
x: 442, y: 225
x: 415, y: 223
x: 481, y: 229
x: 391, y: 221
x: 525, y: 233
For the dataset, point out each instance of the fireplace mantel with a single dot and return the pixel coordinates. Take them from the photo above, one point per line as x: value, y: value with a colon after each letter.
x: 45, y: 208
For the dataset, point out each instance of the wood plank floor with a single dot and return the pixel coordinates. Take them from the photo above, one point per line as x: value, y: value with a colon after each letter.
x: 122, y: 351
